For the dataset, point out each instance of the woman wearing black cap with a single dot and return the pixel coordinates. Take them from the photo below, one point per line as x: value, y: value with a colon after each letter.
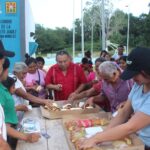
x: 138, y: 104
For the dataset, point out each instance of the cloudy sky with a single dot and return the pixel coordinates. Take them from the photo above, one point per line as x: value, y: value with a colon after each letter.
x: 59, y: 13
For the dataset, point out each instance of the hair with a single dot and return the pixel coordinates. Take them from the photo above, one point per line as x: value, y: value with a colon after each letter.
x: 100, y: 59
x: 88, y: 54
x: 6, y: 64
x: 84, y: 60
x: 1, y: 56
x: 19, y: 66
x: 121, y: 46
x: 29, y: 60
x: 62, y: 52
x: 108, y: 68
x: 103, y: 51
x: 124, y: 58
x: 9, y: 82
x: 41, y: 59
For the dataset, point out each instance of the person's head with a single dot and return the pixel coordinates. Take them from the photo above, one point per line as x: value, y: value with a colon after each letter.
x: 9, y: 83
x: 40, y: 62
x: 4, y: 73
x: 2, y: 58
x: 103, y: 53
x: 4, y: 53
x: 109, y: 71
x: 63, y: 59
x: 87, y: 54
x: 85, y: 63
x: 120, y: 49
x: 20, y: 70
x: 122, y: 62
x: 138, y: 66
x: 108, y: 57
x: 98, y: 61
x: 31, y: 63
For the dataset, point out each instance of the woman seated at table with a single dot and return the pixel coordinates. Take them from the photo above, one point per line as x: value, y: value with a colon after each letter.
x: 135, y: 115
x: 113, y: 87
x: 35, y: 78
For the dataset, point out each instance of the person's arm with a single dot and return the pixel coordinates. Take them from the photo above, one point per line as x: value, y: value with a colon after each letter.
x: 80, y: 91
x: 57, y: 87
x: 20, y: 92
x: 3, y: 144
x: 87, y: 93
x: 138, y: 121
x: 95, y: 99
x: 122, y: 116
x: 21, y: 108
x: 22, y: 136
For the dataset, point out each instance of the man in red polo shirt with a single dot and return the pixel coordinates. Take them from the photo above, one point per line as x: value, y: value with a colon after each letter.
x: 64, y: 77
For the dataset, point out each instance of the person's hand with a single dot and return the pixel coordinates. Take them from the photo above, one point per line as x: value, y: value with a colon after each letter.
x: 33, y: 137
x: 121, y: 105
x: 86, y: 143
x: 72, y: 96
x: 21, y: 108
x: 89, y: 102
x: 58, y: 87
x: 48, y: 102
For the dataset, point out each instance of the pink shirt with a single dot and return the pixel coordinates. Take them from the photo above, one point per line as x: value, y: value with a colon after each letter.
x: 31, y: 79
x: 37, y: 77
x: 91, y: 76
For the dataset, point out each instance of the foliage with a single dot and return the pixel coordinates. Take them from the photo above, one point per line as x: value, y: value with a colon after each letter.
x: 51, y: 40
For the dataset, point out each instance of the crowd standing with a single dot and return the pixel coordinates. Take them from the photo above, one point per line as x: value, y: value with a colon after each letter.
x: 116, y: 83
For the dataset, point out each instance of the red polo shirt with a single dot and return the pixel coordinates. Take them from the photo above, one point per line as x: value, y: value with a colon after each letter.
x: 70, y: 82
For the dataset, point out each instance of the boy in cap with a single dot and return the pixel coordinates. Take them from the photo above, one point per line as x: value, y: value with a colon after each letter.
x: 138, y: 104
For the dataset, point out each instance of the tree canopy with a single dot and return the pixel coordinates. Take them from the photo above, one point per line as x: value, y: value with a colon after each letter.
x: 116, y: 30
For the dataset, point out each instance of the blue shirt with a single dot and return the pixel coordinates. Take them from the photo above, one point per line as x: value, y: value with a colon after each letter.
x: 141, y: 103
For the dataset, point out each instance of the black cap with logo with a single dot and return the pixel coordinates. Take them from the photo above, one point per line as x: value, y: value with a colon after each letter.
x: 137, y: 61
x: 5, y: 52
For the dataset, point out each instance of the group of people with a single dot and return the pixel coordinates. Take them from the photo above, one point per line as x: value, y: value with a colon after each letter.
x: 119, y: 83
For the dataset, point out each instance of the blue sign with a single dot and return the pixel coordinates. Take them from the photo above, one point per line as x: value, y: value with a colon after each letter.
x: 10, y: 27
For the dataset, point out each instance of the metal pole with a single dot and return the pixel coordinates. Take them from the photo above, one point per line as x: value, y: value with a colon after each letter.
x: 103, y: 26
x: 128, y: 29
x: 92, y: 40
x: 73, y: 40
x: 82, y: 29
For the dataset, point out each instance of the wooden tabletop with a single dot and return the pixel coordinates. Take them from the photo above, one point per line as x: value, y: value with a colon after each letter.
x: 57, y: 140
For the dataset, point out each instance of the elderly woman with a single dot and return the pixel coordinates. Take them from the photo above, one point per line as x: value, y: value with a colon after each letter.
x: 138, y: 104
x: 20, y: 96
x: 113, y: 88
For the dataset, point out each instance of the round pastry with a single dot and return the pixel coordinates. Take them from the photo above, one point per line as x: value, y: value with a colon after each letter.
x: 67, y: 106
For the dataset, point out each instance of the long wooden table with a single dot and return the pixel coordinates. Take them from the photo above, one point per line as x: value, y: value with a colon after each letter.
x: 57, y: 140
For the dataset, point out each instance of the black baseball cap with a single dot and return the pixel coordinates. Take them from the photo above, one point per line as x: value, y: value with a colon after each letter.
x: 137, y: 61
x: 4, y: 52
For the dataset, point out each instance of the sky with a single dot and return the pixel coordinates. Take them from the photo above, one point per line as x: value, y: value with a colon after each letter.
x: 59, y: 13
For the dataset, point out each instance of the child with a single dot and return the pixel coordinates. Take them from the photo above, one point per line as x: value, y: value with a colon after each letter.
x: 122, y: 62
x: 9, y: 83
x: 40, y: 63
